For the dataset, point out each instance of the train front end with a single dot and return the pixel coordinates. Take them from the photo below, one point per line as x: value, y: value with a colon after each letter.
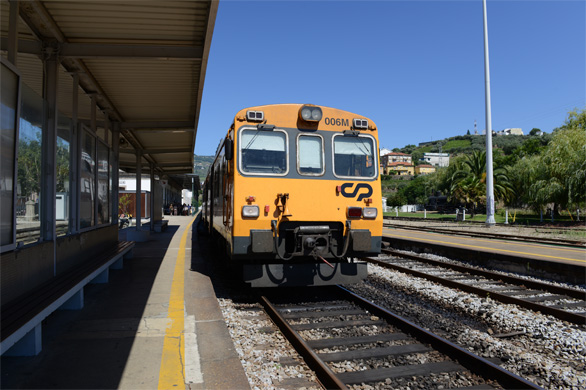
x: 306, y: 195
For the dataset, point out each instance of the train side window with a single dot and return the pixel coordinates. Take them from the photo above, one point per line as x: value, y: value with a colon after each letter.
x: 310, y: 155
x: 263, y: 152
x: 354, y: 156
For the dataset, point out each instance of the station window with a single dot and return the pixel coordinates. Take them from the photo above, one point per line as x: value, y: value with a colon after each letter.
x: 9, y: 121
x: 32, y: 116
x: 263, y: 152
x: 310, y: 155
x: 63, y: 183
x: 87, y: 188
x: 354, y: 156
x: 103, y: 184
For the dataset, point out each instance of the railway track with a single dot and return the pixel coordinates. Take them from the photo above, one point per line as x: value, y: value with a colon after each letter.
x: 379, y: 347
x: 538, y: 240
x: 565, y: 303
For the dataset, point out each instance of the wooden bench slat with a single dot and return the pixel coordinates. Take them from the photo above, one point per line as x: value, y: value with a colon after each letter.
x: 23, y: 309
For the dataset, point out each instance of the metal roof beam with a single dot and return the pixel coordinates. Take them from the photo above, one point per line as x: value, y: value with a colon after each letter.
x: 163, y: 151
x: 145, y: 125
x: 24, y: 46
x: 95, y: 50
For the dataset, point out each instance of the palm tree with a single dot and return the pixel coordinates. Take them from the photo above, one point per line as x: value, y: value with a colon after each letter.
x: 468, y: 184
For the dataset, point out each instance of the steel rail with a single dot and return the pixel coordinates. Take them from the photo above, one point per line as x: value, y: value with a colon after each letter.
x: 467, y: 359
x: 558, y: 313
x: 571, y: 292
x: 324, y: 374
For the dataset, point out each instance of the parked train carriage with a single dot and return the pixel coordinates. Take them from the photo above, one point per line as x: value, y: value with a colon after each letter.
x: 294, y: 195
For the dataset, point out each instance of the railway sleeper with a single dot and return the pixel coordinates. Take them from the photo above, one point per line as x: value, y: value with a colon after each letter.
x: 373, y: 353
x: 338, y: 324
x: 346, y: 341
x: 381, y: 374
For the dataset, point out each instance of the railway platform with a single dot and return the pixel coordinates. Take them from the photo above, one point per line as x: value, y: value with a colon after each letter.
x: 558, y: 262
x: 155, y: 324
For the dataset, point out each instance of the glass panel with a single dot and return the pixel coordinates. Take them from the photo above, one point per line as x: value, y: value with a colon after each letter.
x: 101, y: 133
x: 103, y: 184
x: 28, y: 227
x: 263, y: 151
x: 88, y: 180
x: 8, y: 104
x: 353, y: 157
x: 110, y: 189
x: 310, y: 155
x: 63, y: 160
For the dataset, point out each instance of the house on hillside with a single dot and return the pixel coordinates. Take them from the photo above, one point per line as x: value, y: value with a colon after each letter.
x: 391, y: 161
x: 514, y: 131
x: 399, y: 168
x: 396, y: 157
x: 424, y: 169
x: 436, y: 159
x: 384, y: 151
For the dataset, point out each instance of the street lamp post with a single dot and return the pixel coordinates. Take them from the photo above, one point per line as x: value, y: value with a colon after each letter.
x: 489, y: 175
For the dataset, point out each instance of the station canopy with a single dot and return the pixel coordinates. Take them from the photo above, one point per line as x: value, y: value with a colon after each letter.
x: 142, y: 62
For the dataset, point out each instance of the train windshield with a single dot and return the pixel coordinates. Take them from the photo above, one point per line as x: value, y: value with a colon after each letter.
x: 354, y: 156
x: 263, y: 152
x: 310, y: 155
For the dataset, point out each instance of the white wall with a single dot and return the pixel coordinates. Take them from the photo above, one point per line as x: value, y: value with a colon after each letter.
x: 130, y: 184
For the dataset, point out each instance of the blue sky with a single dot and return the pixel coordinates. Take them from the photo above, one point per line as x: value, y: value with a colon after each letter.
x: 416, y: 68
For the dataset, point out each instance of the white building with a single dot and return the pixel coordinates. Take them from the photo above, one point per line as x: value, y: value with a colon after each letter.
x: 437, y: 159
x: 513, y: 131
x: 384, y: 151
x: 170, y: 194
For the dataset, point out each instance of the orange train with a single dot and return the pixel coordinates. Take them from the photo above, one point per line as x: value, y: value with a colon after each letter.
x: 294, y: 195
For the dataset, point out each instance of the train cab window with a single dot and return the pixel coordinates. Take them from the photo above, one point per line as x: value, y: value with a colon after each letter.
x: 310, y: 155
x: 263, y: 152
x: 354, y: 156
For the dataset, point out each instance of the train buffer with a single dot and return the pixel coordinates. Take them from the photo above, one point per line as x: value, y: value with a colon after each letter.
x: 22, y: 317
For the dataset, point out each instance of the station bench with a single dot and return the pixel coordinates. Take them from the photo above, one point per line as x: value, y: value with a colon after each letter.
x: 161, y: 225
x: 20, y: 327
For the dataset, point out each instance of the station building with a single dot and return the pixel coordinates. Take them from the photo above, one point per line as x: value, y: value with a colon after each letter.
x: 88, y: 89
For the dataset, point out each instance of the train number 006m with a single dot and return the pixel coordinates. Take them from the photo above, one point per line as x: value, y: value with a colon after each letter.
x: 336, y: 121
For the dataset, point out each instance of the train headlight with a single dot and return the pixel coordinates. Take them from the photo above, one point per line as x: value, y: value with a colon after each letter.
x: 310, y: 113
x: 354, y: 212
x: 369, y: 212
x: 255, y: 116
x: 361, y: 124
x: 250, y: 211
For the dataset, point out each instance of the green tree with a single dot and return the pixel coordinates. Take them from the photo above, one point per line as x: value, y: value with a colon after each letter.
x: 29, y: 166
x: 561, y: 172
x: 467, y: 182
x: 62, y: 162
x: 396, y: 200
x: 124, y: 202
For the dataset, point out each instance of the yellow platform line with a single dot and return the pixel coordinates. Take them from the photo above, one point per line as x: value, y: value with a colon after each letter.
x: 491, y: 249
x: 503, y: 239
x: 172, y: 373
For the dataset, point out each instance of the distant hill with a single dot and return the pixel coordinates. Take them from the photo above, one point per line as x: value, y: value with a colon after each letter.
x: 201, y: 165
x: 467, y: 144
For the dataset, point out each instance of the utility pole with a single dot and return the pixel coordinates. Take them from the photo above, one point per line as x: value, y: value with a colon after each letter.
x: 489, y: 176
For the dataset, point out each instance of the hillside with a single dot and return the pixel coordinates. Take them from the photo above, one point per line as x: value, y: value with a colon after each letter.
x: 468, y: 144
x: 201, y: 165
